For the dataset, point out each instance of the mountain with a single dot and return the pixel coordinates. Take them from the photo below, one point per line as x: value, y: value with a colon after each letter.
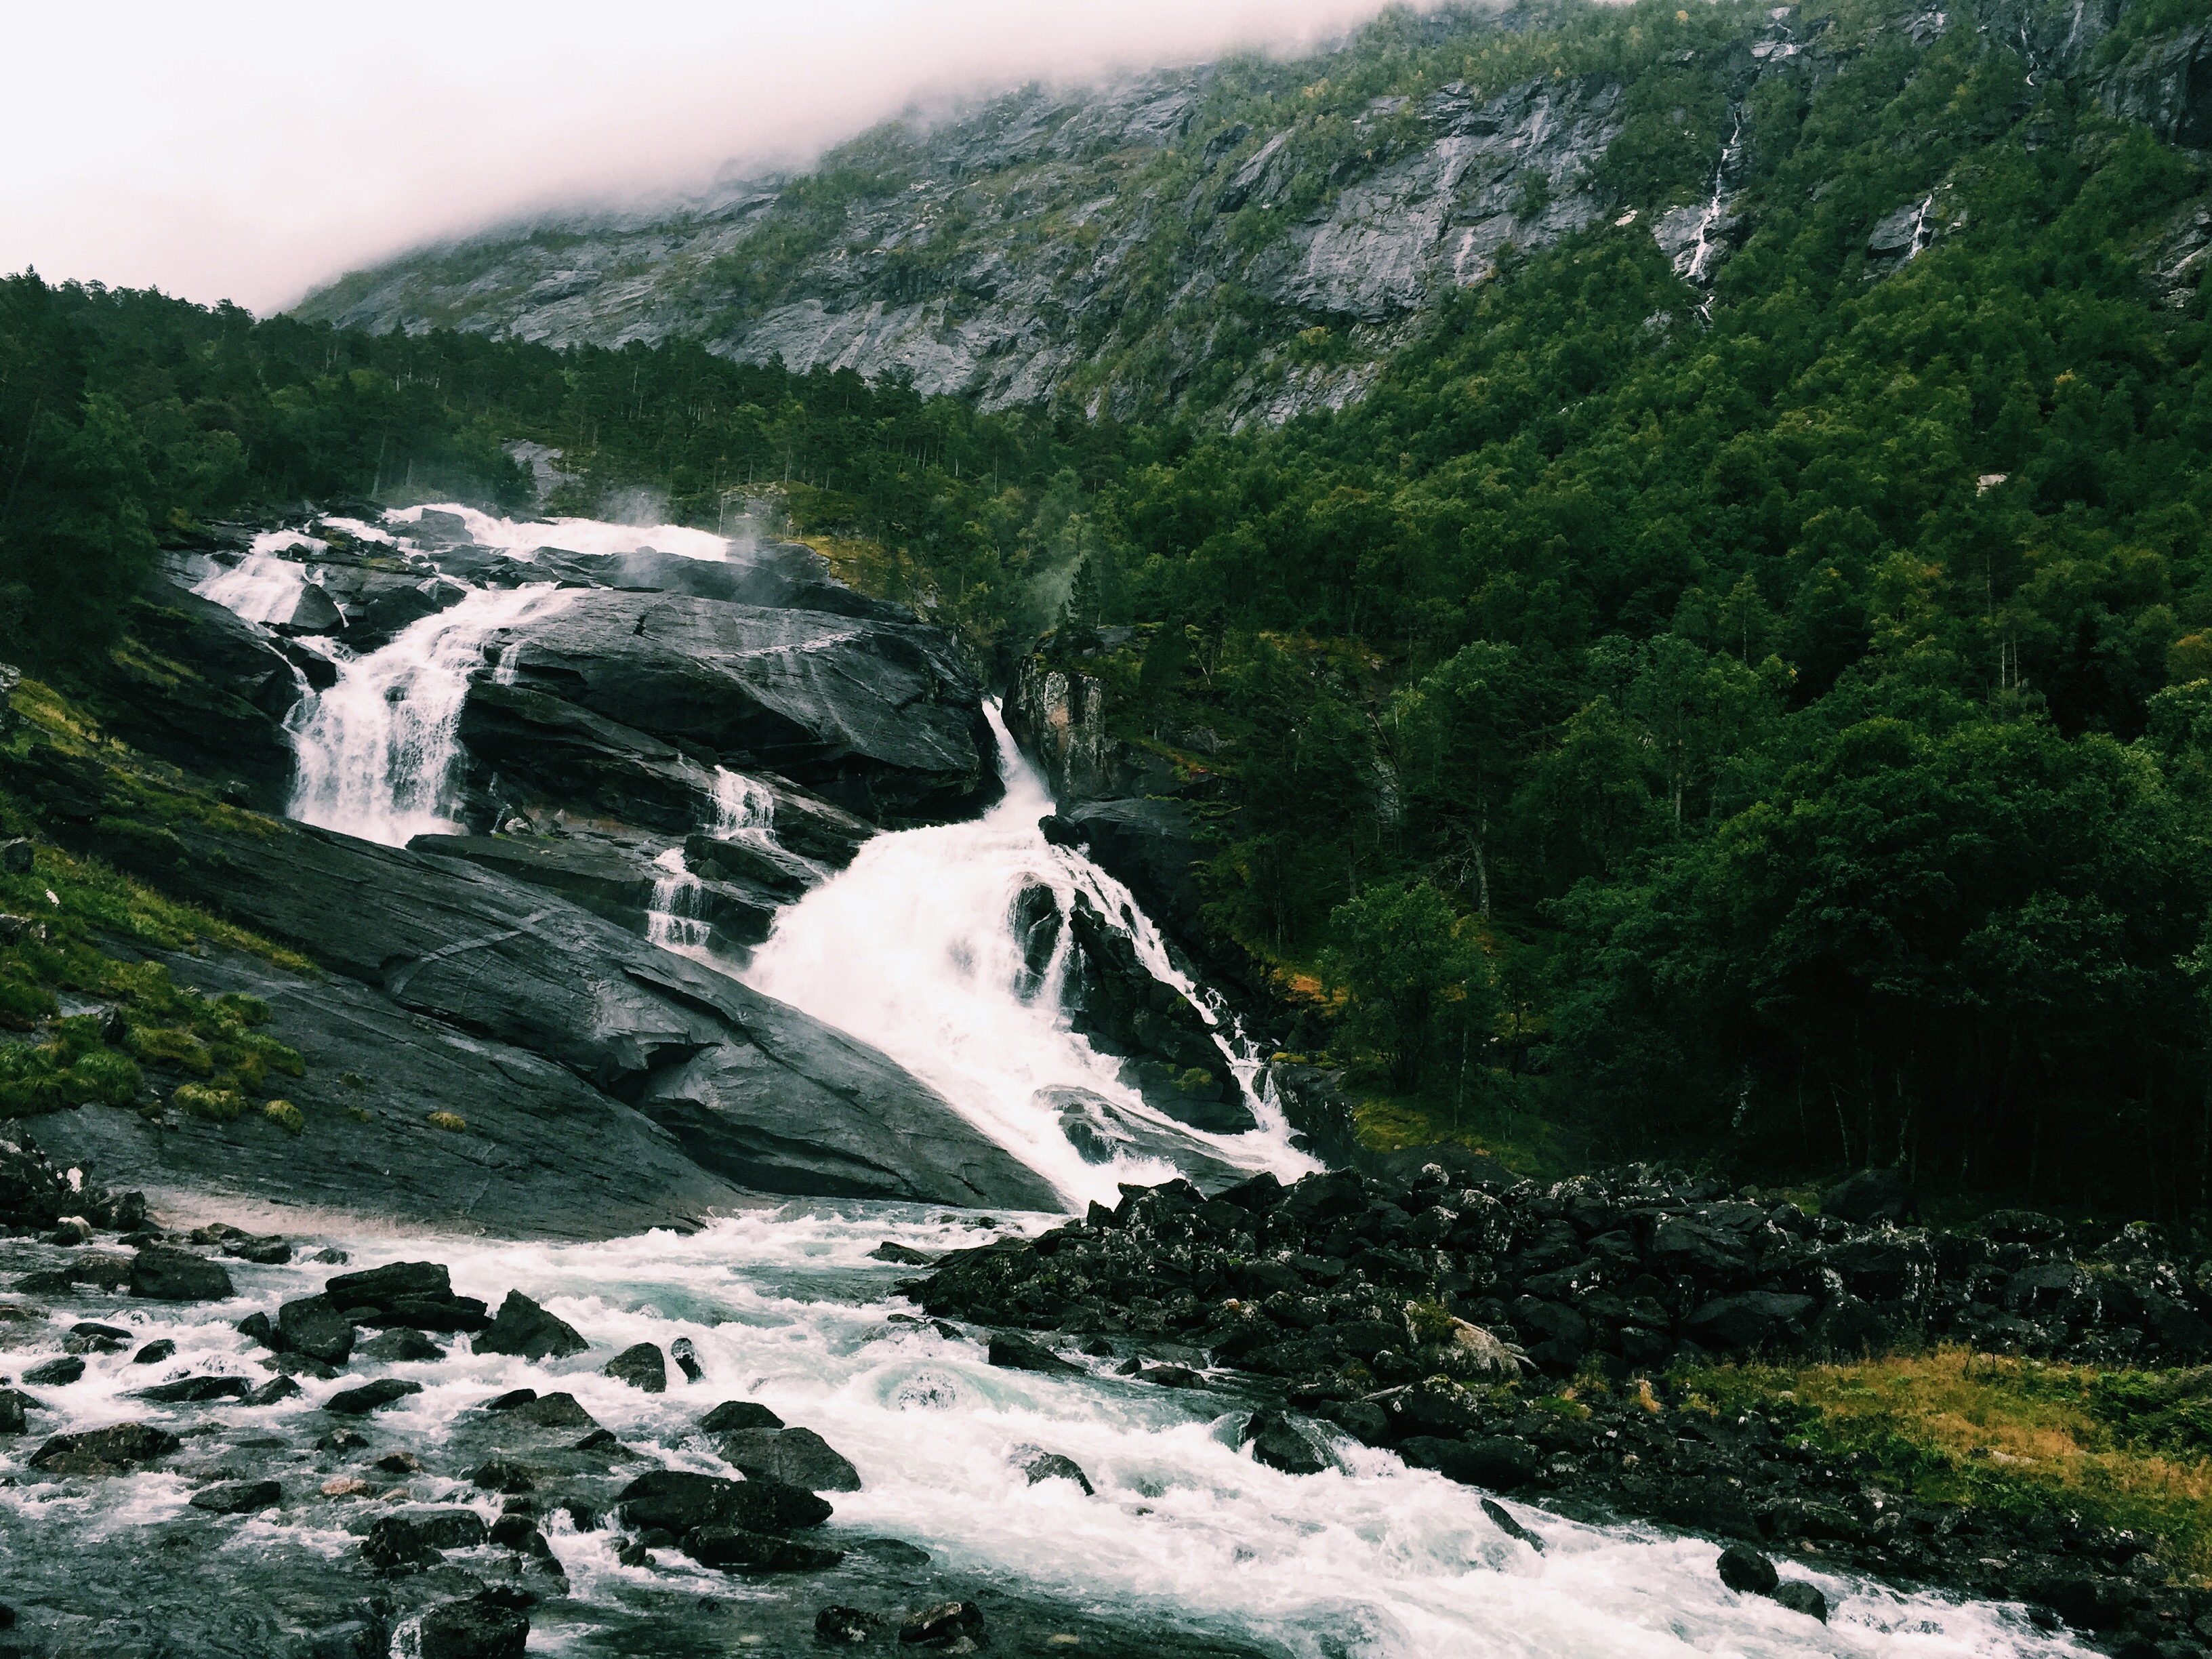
x: 1251, y: 238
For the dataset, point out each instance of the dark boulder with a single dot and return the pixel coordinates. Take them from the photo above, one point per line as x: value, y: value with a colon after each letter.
x: 641, y: 1365
x: 401, y: 1344
x: 1746, y: 1572
x: 734, y: 1548
x: 1147, y: 846
x: 14, y: 1408
x: 476, y: 1629
x: 114, y: 1450
x: 1277, y: 1443
x: 678, y: 1500
x: 160, y: 1274
x: 395, y: 1544
x: 1052, y: 1466
x: 154, y: 1352
x: 738, y: 1414
x: 1017, y: 1353
x: 948, y: 1624
x: 55, y: 1373
x: 842, y: 1625
x: 1751, y: 1322
x: 1496, y: 1463
x: 371, y: 1396
x: 523, y: 1329
x: 1501, y: 1518
x: 269, y: 1393
x: 798, y: 1457
x: 237, y: 1497
x: 1101, y: 1131
x: 1869, y: 1196
x: 451, y: 1529
x: 195, y: 1390
x: 1799, y: 1596
x: 503, y: 1475
x: 314, y: 1326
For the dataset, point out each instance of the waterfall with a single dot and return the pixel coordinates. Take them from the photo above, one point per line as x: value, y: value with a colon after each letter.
x: 672, y: 919
x: 740, y: 804
x: 1701, y: 251
x: 911, y: 949
x: 377, y: 751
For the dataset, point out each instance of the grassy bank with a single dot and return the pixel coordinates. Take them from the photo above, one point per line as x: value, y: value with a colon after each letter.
x: 2122, y: 1449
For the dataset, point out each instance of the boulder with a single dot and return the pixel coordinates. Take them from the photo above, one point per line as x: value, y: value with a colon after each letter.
x: 114, y: 1450
x: 401, y: 1345
x: 14, y: 1408
x: 55, y: 1373
x: 1102, y: 1131
x: 1277, y: 1443
x: 474, y: 1629
x: 879, y: 717
x: 1052, y: 1466
x: 1019, y: 1353
x: 1746, y: 1572
x: 1799, y: 1596
x: 371, y: 1396
x: 195, y: 1390
x: 641, y: 1365
x: 845, y: 1625
x: 525, y: 1330
x: 237, y: 1497
x: 738, y: 1414
x: 314, y: 1326
x: 678, y: 1500
x: 798, y: 1457
x: 734, y: 1547
x: 1755, y: 1321
x: 1501, y: 1518
x: 160, y: 1274
x: 945, y: 1625
x: 1147, y: 846
x: 1869, y: 1196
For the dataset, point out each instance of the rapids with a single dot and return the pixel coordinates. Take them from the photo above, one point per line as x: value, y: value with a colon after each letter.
x: 1369, y: 1559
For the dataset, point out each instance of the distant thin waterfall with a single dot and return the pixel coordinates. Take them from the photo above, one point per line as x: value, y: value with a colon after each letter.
x: 377, y: 749
x: 672, y: 918
x: 741, y: 804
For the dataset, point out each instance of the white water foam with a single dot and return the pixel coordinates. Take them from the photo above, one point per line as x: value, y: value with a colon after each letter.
x: 1369, y: 1560
x: 524, y: 536
x: 910, y: 948
x: 377, y: 749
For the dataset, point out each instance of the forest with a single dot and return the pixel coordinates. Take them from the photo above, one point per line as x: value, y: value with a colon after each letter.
x: 1769, y: 727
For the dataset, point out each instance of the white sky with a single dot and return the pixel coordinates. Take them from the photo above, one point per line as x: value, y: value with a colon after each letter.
x: 252, y: 151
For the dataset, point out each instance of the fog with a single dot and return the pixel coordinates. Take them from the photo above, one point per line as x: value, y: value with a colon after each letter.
x: 251, y: 152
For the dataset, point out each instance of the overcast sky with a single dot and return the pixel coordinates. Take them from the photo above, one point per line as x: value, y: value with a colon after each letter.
x: 251, y: 151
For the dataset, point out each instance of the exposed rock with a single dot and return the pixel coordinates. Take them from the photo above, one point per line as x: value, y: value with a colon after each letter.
x: 1501, y: 1518
x: 195, y: 1390
x: 14, y: 1407
x: 314, y: 1326
x: 1799, y: 1596
x: 1019, y: 1353
x: 1101, y: 1131
x: 372, y: 1396
x: 738, y: 1414
x: 160, y: 1274
x: 475, y: 1629
x: 1869, y: 1196
x: 1052, y: 1466
x: 395, y: 1545
x: 401, y: 1345
x: 839, y: 1624
x: 154, y: 1351
x: 879, y: 717
x: 947, y: 1624
x: 237, y: 1497
x: 55, y: 1373
x: 525, y: 1330
x: 1746, y: 1572
x: 504, y: 1474
x: 733, y: 1547
x: 114, y: 1450
x: 676, y: 1501
x: 1277, y: 1443
x: 903, y: 1255
x: 269, y: 1393
x: 686, y: 1356
x: 641, y: 1366
x: 798, y: 1457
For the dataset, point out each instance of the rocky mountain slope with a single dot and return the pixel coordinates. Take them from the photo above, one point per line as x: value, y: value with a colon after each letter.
x: 1252, y: 238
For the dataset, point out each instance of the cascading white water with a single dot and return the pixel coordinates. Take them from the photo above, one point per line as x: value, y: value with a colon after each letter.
x: 671, y: 917
x: 576, y: 535
x: 911, y: 949
x: 377, y: 749
x: 1368, y: 1560
x: 740, y: 804
x: 1702, y: 251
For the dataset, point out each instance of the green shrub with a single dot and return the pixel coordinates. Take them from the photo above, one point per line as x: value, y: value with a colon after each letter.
x: 451, y: 1122
x: 165, y: 1045
x: 285, y: 1113
x: 358, y: 1114
x: 216, y: 1105
x: 107, y: 1078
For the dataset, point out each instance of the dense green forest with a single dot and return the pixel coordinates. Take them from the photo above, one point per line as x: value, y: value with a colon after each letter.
x: 1773, y: 726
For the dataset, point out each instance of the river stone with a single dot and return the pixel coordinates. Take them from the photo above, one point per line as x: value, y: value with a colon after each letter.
x: 1277, y: 1442
x: 195, y: 1390
x: 686, y: 1356
x: 379, y: 1287
x: 1017, y: 1353
x: 504, y: 1475
x: 641, y: 1366
x: 842, y: 1624
x: 1799, y: 1596
x: 160, y: 1274
x: 1746, y: 1572
x: 154, y: 1351
x: 738, y: 1414
x: 471, y: 1628
x: 394, y: 1544
x: 1501, y: 1518
x: 527, y: 1331
x: 14, y: 1406
x: 555, y: 1411
x: 372, y: 1396
x: 452, y: 1529
x: 798, y: 1457
x: 314, y: 1326
x: 1053, y: 1466
x: 943, y: 1625
x: 678, y: 1500
x: 401, y: 1345
x: 112, y: 1450
x: 55, y: 1373
x: 237, y: 1497
x: 275, y: 1389
x: 731, y: 1547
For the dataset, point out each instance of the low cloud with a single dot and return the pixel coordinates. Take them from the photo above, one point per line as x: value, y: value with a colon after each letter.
x: 254, y: 154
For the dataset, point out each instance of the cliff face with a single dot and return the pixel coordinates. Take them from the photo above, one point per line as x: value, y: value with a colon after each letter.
x: 1244, y: 240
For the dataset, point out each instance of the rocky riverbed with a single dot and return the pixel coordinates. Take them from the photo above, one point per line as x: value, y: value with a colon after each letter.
x: 1408, y: 1314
